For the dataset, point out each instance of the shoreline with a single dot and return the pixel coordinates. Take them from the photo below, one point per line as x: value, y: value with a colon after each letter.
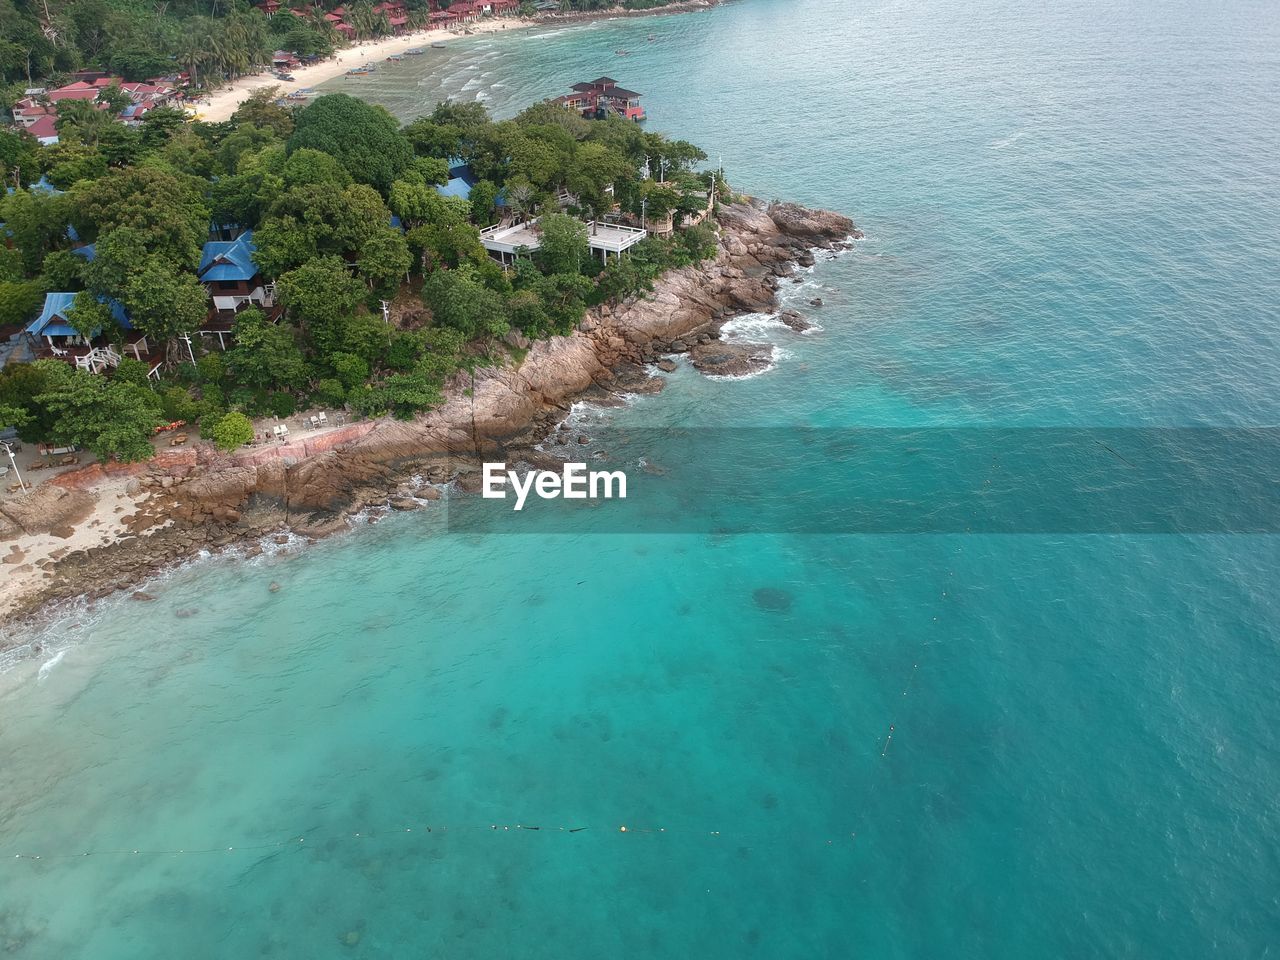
x: 202, y: 500
x: 223, y: 102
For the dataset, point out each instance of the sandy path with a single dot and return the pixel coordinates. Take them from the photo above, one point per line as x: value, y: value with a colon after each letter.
x: 223, y: 102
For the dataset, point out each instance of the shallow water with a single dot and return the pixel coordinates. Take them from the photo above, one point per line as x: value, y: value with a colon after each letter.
x: 1070, y: 219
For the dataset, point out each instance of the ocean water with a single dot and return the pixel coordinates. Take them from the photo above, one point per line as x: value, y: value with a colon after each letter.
x: 820, y: 745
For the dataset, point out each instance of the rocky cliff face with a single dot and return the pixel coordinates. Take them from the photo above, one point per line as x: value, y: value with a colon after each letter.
x: 219, y: 500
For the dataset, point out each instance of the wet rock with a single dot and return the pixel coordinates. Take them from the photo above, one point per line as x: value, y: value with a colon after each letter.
x: 796, y: 322
x: 280, y: 539
x: 253, y: 550
x: 274, y: 587
x: 773, y: 599
x: 141, y: 595
x: 404, y: 503
x: 584, y: 439
x: 730, y: 359
x: 185, y: 612
x: 815, y: 302
x: 429, y: 493
x: 679, y: 346
x: 666, y: 365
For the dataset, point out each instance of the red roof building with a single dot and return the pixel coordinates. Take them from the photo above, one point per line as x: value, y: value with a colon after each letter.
x: 603, y: 97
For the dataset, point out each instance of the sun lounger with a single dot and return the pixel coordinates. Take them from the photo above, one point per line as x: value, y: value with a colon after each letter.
x: 324, y: 421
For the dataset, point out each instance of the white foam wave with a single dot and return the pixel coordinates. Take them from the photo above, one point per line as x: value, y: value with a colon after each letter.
x: 47, y: 667
x: 752, y: 325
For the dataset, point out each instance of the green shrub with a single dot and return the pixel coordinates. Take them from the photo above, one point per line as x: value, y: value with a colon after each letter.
x: 231, y: 431
x: 281, y: 404
x: 131, y: 370
x: 211, y: 368
x: 330, y: 393
x: 177, y: 404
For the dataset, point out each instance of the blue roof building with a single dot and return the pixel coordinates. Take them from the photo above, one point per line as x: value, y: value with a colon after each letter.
x: 229, y: 261
x: 88, y: 251
x: 461, y: 180
x: 52, y: 321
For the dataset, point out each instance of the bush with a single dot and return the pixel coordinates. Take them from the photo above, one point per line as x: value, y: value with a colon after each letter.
x: 176, y: 404
x: 231, y: 431
x: 351, y: 370
x: 281, y: 404
x: 330, y: 393
x: 212, y: 394
x: 211, y: 368
x: 244, y: 398
x: 131, y: 370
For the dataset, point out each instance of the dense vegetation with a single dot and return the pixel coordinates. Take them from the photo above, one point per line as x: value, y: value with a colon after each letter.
x: 319, y: 187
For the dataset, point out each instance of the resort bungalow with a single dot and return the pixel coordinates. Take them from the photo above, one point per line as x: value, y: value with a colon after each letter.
x: 461, y: 180
x: 65, y: 342
x: 229, y: 274
x: 602, y: 98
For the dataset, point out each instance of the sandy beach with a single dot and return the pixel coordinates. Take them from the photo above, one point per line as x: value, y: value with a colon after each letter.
x: 221, y: 104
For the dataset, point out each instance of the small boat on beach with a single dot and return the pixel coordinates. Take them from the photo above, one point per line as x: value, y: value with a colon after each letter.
x: 395, y: 57
x: 414, y: 52
x: 437, y: 46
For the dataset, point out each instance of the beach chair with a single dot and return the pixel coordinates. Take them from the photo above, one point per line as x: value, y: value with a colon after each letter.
x: 315, y: 422
x: 324, y: 421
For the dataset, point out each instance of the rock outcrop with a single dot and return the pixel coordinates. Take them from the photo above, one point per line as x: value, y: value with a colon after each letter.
x: 218, y: 500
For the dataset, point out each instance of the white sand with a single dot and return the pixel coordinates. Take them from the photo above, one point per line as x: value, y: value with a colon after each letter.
x: 223, y: 102
x: 26, y: 575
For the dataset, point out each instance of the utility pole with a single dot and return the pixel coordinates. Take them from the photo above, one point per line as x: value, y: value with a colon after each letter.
x: 644, y: 204
x: 663, y: 162
x: 9, y: 450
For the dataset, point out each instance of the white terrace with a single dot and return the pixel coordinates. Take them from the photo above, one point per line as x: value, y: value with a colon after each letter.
x: 602, y: 238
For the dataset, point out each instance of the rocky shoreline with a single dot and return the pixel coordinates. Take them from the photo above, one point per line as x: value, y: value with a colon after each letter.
x: 203, y: 500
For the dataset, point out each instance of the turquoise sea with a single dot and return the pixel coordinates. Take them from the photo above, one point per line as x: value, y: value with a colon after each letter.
x: 888, y: 746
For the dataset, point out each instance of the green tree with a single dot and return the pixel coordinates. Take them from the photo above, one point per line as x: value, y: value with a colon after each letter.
x: 460, y: 302
x: 564, y: 243
x: 232, y: 430
x: 384, y: 258
x: 36, y: 222
x: 164, y: 303
x: 314, y: 220
x: 72, y: 161
x: 363, y: 138
x: 20, y: 384
x: 307, y: 166
x: 322, y: 295
x: 111, y: 418
x: 483, y: 200
x: 167, y: 210
x: 19, y: 302
x: 91, y: 317
x: 19, y: 157
x: 350, y: 369
x: 265, y: 354
x: 260, y: 110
